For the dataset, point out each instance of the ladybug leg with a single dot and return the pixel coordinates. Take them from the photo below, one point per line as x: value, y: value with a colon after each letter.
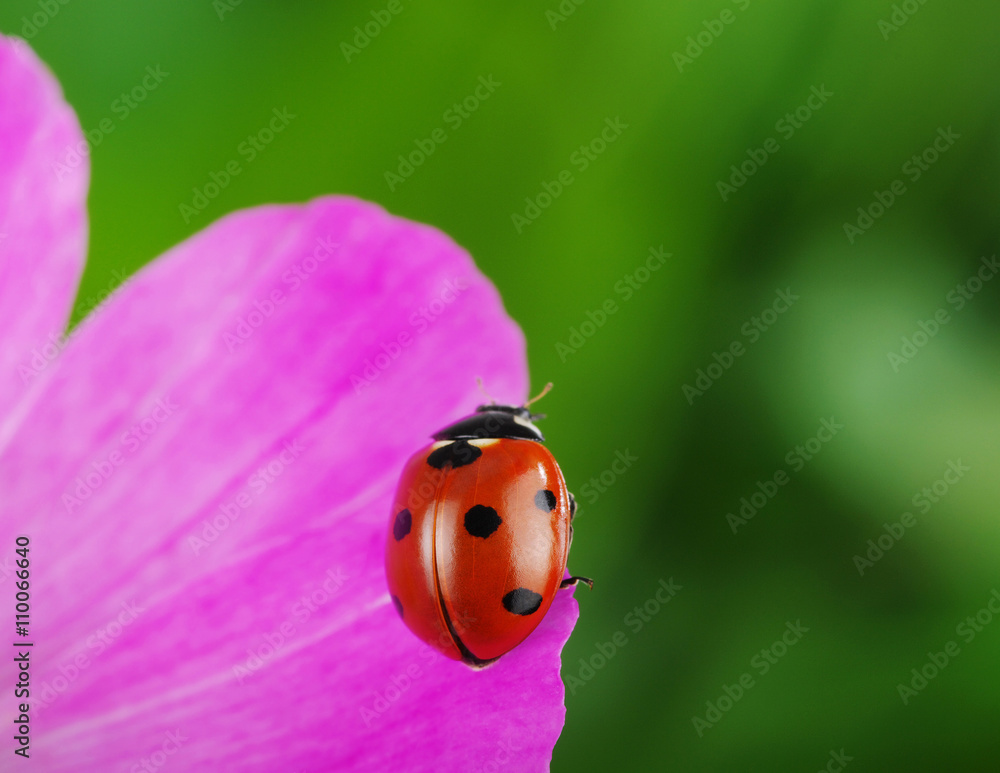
x: 571, y: 582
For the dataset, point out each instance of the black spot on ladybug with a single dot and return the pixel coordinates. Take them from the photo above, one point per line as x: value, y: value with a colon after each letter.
x: 401, y: 526
x: 457, y: 454
x: 482, y: 521
x: 398, y: 604
x: 545, y: 500
x: 522, y: 601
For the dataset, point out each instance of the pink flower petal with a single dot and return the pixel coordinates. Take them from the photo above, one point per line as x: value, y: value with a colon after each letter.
x: 206, y: 486
x: 43, y: 224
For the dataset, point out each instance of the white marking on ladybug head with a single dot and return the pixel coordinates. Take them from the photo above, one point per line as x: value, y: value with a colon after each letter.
x: 483, y: 442
x: 525, y: 423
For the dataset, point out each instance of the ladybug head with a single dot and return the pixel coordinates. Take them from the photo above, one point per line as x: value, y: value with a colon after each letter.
x: 497, y: 421
x: 521, y: 411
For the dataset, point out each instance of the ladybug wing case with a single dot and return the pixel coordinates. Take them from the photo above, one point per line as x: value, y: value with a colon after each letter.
x: 478, y: 545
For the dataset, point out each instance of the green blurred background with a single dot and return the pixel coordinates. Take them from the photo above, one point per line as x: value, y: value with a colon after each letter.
x: 892, y: 76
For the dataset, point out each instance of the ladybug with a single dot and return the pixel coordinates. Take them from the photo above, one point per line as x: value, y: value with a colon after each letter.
x: 479, y: 535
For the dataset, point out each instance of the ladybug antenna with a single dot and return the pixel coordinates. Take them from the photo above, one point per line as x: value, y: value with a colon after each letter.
x: 540, y: 395
x: 479, y: 383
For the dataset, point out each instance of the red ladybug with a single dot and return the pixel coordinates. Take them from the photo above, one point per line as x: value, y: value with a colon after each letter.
x: 479, y: 535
